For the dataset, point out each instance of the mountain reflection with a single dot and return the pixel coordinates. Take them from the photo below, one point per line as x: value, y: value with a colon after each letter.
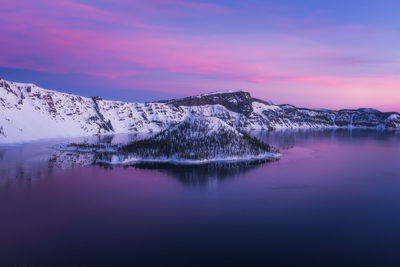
x: 18, y: 166
x: 31, y: 162
x: 286, y: 139
x: 207, y: 175
x: 69, y: 160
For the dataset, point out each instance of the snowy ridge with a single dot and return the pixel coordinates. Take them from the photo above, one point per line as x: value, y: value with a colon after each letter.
x: 221, y: 92
x: 28, y: 112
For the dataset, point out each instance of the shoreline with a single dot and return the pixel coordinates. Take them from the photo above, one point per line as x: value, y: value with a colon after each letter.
x: 115, y: 161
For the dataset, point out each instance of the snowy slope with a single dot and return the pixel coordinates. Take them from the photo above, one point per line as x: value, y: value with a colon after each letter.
x: 28, y: 112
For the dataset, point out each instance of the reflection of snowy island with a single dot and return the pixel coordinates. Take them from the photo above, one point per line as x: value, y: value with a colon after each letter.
x: 197, y: 140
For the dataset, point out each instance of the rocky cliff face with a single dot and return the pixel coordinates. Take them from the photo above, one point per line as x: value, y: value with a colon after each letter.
x: 28, y: 112
x: 236, y: 101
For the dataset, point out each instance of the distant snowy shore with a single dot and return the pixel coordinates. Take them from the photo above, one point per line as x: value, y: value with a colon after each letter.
x: 117, y: 160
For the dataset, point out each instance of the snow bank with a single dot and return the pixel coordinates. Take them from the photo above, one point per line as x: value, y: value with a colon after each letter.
x: 118, y: 160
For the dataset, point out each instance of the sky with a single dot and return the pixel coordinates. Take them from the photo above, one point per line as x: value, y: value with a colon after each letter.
x: 310, y: 53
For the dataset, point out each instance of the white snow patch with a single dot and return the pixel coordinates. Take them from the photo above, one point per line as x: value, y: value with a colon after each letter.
x: 117, y: 160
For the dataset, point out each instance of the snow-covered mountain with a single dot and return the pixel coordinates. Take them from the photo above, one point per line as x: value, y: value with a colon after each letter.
x: 196, y: 140
x: 28, y: 112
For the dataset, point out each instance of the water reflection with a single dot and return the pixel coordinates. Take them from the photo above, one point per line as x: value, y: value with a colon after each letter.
x: 31, y: 162
x: 208, y: 175
x: 286, y: 139
x: 27, y: 163
x: 114, y: 139
x: 333, y: 198
x: 69, y: 160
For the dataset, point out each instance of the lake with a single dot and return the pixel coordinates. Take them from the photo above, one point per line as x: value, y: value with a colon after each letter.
x: 332, y: 199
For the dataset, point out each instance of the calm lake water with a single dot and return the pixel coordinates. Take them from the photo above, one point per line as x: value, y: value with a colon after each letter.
x: 333, y: 199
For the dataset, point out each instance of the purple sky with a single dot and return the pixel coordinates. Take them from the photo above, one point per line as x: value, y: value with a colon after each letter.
x: 311, y: 53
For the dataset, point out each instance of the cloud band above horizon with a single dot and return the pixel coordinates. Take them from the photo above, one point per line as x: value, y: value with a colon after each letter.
x: 300, y: 52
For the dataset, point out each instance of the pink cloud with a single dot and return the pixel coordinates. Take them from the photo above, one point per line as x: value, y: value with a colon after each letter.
x: 172, y: 7
x: 153, y: 51
x: 67, y: 36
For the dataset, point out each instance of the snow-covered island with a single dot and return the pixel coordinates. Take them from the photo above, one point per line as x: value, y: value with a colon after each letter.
x: 197, y: 140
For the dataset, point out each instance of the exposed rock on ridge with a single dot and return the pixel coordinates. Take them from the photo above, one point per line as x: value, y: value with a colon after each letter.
x: 28, y: 112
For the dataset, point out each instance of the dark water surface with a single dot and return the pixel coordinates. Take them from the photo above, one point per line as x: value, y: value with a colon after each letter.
x: 333, y: 199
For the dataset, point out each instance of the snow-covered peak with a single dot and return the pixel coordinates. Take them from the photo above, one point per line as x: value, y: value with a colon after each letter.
x: 195, y: 140
x: 369, y: 110
x: 222, y: 92
x: 199, y: 125
x: 237, y: 101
